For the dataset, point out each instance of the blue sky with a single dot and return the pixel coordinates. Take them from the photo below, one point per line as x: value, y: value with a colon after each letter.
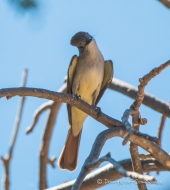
x: 135, y: 35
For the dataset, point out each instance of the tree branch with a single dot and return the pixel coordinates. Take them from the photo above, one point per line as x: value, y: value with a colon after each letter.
x: 37, y: 113
x: 6, y: 161
x: 61, y: 97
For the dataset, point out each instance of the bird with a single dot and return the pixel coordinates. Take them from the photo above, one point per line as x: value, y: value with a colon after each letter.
x: 87, y: 78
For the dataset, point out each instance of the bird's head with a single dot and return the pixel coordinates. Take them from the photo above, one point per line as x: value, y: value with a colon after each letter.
x: 81, y: 39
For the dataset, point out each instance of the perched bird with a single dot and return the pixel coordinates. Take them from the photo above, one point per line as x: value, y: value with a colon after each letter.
x: 88, y: 77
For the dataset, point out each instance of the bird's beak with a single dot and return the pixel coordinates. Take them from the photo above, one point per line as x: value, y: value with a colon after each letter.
x: 88, y: 40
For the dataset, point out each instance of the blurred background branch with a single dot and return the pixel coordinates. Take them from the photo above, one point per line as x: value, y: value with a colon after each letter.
x: 6, y: 161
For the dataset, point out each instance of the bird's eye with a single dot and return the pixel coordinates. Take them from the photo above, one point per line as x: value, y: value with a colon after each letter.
x: 81, y: 47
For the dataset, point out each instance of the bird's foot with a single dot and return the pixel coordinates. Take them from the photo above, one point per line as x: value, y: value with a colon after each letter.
x: 77, y: 96
x: 98, y: 111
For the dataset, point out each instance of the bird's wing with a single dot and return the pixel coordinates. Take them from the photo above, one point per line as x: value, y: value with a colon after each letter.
x: 70, y: 76
x: 108, y: 75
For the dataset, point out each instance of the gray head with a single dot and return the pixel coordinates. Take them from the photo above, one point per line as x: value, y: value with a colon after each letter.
x: 81, y: 39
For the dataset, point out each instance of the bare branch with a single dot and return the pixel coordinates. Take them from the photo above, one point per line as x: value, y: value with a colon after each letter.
x: 6, y: 161
x: 62, y: 97
x: 37, y: 113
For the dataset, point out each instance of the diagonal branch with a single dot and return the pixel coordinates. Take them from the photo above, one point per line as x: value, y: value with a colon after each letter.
x: 6, y: 161
x: 61, y: 97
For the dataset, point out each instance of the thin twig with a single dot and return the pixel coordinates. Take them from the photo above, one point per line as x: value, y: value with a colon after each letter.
x: 6, y: 161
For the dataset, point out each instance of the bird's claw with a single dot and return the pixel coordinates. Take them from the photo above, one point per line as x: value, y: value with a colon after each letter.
x: 77, y: 96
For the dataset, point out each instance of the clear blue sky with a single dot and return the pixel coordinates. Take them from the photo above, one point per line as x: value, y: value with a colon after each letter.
x: 134, y: 34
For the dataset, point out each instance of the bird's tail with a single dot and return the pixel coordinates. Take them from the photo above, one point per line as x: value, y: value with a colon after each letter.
x: 69, y: 155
